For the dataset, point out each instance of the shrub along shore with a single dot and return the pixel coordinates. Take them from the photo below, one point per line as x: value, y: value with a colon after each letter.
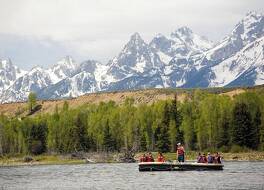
x: 94, y: 158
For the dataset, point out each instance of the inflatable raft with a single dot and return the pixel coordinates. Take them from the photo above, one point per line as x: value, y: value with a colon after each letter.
x: 171, y: 166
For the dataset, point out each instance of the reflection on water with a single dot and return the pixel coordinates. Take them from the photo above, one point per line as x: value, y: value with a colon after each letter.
x: 236, y: 175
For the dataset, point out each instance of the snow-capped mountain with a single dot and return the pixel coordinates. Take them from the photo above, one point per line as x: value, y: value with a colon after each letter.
x: 246, y: 67
x: 136, y: 57
x: 183, y: 59
x: 33, y: 81
x: 248, y: 30
x: 181, y: 43
x: 21, y: 83
x: 86, y: 79
x: 64, y: 68
x: 136, y: 62
x: 8, y: 74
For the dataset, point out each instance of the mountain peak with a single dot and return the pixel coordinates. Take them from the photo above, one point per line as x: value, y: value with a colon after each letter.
x: 67, y: 60
x: 251, y: 17
x: 249, y: 28
x: 182, y: 31
x: 252, y: 14
x: 136, y: 35
x: 36, y: 68
x: 7, y: 63
x: 136, y: 38
x: 135, y: 43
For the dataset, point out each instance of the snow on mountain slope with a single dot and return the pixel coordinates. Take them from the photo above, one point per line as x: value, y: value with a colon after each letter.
x: 181, y: 43
x: 250, y: 57
x: 8, y: 74
x: 246, y: 31
x: 250, y: 28
x: 97, y: 70
x: 178, y: 52
x: 34, y: 80
x: 64, y: 68
x: 136, y: 57
x: 192, y: 41
x: 87, y: 79
x: 77, y: 85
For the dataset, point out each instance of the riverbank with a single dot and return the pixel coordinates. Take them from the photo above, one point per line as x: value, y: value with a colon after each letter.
x: 112, y: 158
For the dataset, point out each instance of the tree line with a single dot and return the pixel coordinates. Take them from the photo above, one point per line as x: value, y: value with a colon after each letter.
x: 204, y: 121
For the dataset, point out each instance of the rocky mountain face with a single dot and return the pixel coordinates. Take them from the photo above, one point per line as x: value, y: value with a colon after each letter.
x: 63, y: 69
x: 21, y: 83
x: 182, y: 59
x: 8, y: 74
x: 84, y: 80
x: 246, y: 32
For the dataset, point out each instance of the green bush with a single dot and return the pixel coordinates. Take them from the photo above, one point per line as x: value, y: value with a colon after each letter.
x: 237, y: 149
x: 224, y: 149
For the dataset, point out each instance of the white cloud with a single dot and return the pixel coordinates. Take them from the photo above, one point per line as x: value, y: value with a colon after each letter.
x: 99, y: 28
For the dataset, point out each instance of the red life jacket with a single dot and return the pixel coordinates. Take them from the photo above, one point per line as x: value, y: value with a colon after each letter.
x: 161, y: 159
x: 200, y: 159
x: 149, y: 159
x: 143, y: 159
x: 180, y: 151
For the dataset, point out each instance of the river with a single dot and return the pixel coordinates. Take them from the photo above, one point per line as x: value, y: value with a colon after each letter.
x: 236, y: 175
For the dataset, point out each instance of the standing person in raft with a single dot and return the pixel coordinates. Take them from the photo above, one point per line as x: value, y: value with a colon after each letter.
x: 180, y: 152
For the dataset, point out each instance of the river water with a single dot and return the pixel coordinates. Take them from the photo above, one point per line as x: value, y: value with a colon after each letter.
x: 236, y: 175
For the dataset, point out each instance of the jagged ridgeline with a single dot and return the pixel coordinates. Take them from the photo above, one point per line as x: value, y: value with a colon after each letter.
x: 182, y: 59
x: 202, y: 120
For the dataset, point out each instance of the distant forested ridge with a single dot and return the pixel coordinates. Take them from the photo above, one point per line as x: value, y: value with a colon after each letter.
x: 204, y: 121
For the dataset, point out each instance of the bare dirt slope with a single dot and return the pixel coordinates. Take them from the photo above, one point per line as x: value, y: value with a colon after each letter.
x: 140, y: 96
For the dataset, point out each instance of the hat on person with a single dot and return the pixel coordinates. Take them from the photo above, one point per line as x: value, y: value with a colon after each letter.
x: 179, y: 144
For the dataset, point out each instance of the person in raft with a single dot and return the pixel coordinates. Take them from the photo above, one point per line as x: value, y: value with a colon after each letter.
x: 199, y: 158
x: 160, y: 158
x: 210, y: 158
x: 217, y: 158
x: 204, y: 158
x: 143, y: 158
x: 180, y: 152
x: 150, y: 157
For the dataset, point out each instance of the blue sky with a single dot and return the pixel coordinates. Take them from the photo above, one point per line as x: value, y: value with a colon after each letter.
x: 42, y: 32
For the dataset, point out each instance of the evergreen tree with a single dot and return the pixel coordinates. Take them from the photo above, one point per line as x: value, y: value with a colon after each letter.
x: 162, y: 132
x: 81, y: 132
x: 143, y: 142
x: 255, y: 134
x: 224, y: 132
x: 242, y: 125
x: 176, y: 118
x: 38, y: 137
x: 108, y: 143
